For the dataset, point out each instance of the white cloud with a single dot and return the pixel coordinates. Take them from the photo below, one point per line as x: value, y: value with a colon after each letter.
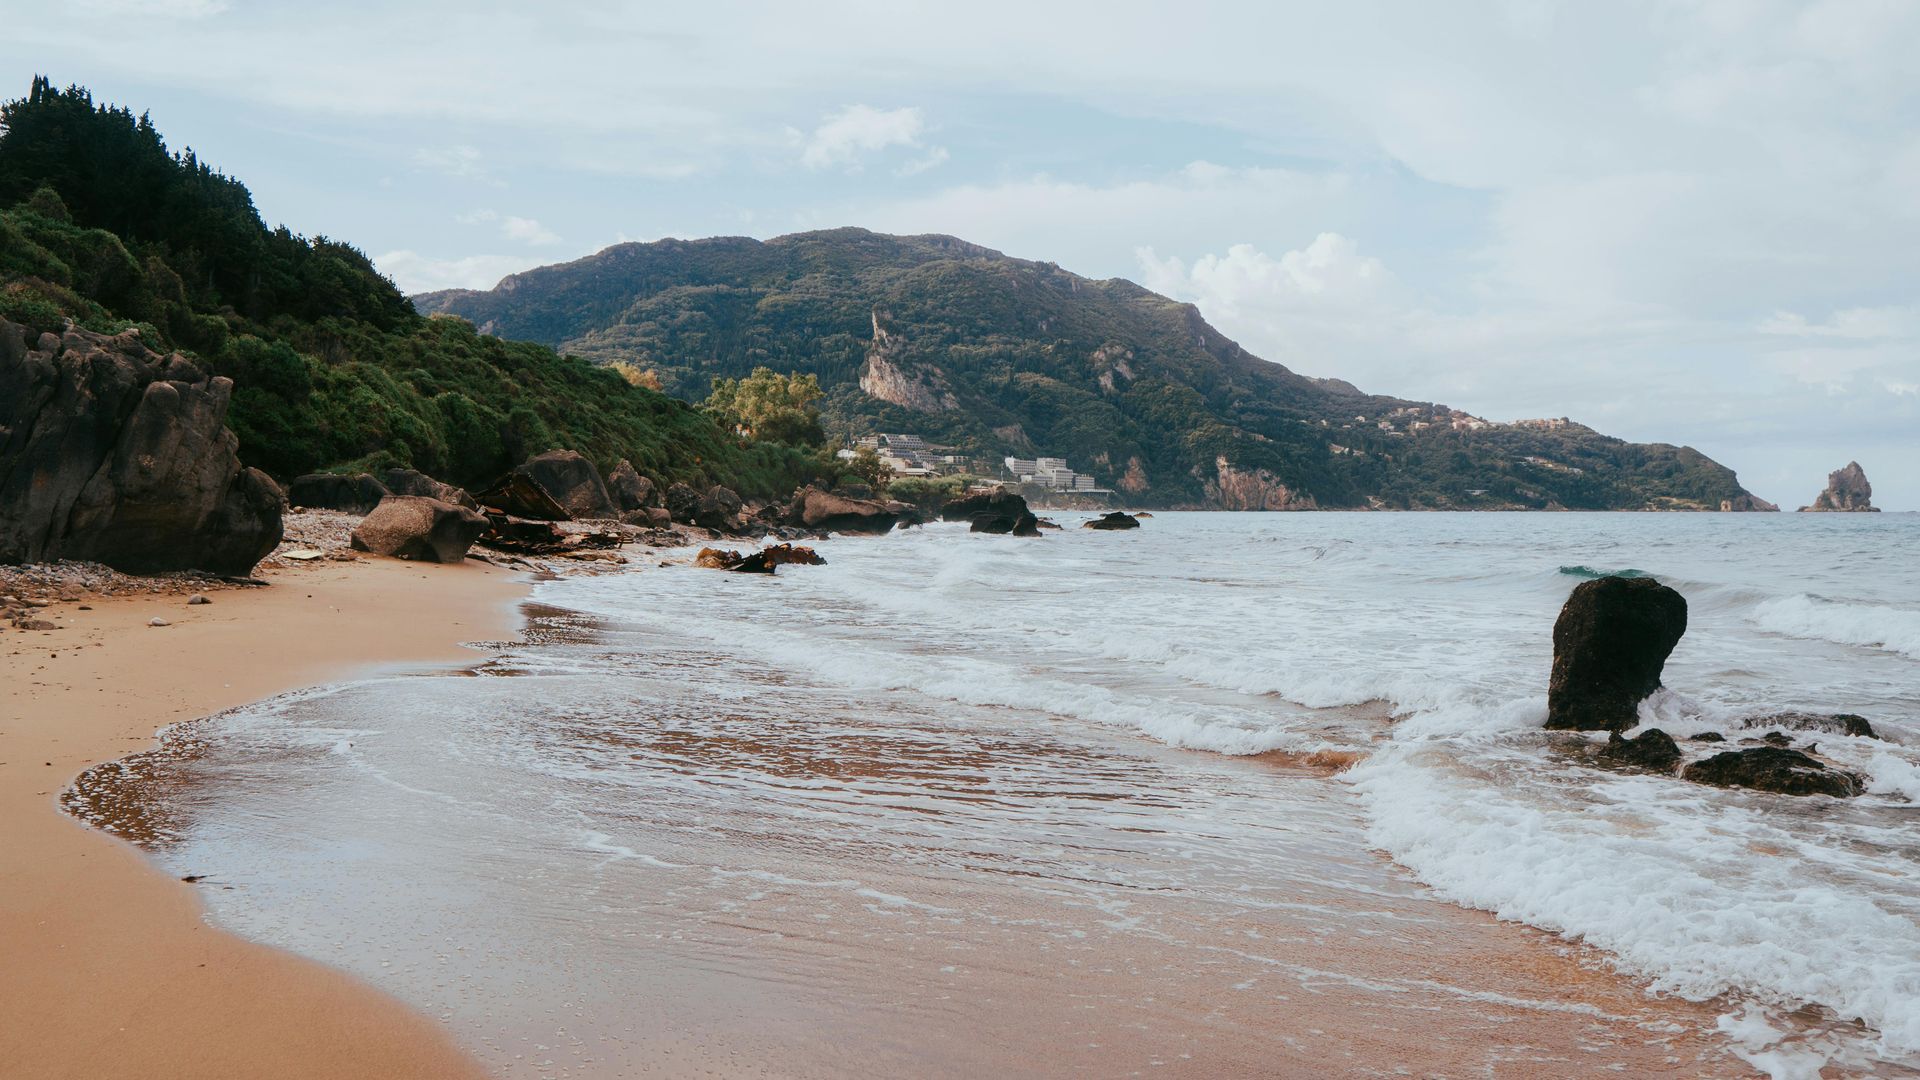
x: 933, y: 159
x: 451, y: 160
x: 416, y: 273
x: 525, y: 230
x: 845, y: 137
x: 1328, y: 274
x: 166, y: 9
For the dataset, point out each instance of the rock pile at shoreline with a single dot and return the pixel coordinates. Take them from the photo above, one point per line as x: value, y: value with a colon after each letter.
x: 112, y: 453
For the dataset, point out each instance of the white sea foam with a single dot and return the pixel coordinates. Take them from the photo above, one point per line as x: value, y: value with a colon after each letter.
x: 1872, y: 625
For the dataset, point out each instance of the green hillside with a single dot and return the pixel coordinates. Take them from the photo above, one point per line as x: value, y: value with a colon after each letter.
x: 935, y: 336
x: 333, y: 368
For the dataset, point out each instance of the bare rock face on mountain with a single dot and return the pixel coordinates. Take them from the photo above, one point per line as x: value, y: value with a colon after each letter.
x: 1776, y: 769
x: 883, y: 377
x: 417, y: 527
x: 1610, y: 643
x: 572, y: 481
x: 1252, y: 489
x: 1847, y: 492
x: 630, y: 491
x: 828, y: 512
x: 112, y: 453
x: 414, y: 482
x: 357, y: 493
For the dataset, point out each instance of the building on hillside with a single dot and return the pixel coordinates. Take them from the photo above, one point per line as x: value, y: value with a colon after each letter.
x: 1049, y: 472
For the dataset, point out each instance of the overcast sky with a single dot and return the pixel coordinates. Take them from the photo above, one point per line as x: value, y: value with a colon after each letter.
x: 1688, y: 222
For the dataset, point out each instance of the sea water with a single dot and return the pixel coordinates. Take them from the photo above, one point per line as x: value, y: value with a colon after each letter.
x: 1259, y: 751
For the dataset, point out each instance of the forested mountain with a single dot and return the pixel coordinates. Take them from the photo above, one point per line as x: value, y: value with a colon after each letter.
x: 333, y: 368
x: 936, y: 336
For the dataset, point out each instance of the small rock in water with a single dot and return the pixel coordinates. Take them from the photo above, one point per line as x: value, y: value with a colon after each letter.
x: 1773, y: 768
x: 198, y: 598
x: 1707, y: 736
x: 1654, y: 749
x: 157, y: 621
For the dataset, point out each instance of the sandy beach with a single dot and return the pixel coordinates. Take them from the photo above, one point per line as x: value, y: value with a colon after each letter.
x: 110, y: 968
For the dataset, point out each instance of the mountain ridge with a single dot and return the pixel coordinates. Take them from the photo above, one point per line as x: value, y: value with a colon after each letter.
x: 957, y: 341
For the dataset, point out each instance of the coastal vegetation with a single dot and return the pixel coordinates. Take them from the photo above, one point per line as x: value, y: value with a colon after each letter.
x: 995, y: 356
x: 333, y: 368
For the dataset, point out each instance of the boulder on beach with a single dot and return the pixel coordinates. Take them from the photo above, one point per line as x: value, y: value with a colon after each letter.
x: 827, y: 512
x: 415, y: 482
x: 651, y: 517
x: 1847, y: 492
x: 1652, y: 749
x: 572, y: 481
x: 682, y: 502
x: 629, y: 490
x: 1831, y: 723
x: 112, y: 453
x: 719, y: 510
x: 417, y: 527
x: 1775, y: 769
x: 349, y: 493
x: 526, y: 536
x: 1114, y: 520
x: 1610, y: 643
x: 519, y: 495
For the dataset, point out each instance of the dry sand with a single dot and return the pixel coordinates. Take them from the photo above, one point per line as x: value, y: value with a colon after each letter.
x: 108, y: 968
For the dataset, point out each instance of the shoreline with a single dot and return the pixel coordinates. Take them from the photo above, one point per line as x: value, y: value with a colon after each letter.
x: 113, y: 969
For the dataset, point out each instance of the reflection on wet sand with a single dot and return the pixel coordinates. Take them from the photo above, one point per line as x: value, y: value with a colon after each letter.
x: 649, y: 859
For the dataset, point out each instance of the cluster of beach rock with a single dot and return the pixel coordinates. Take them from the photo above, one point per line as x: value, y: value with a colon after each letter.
x: 1610, y: 645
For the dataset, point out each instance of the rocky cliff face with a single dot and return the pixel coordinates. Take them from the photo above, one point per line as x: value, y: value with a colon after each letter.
x: 112, y: 453
x: 1847, y: 492
x: 1252, y: 489
x: 883, y: 378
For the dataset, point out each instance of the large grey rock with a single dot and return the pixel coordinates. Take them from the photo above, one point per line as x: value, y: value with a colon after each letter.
x: 629, y: 490
x: 356, y: 493
x: 827, y: 512
x: 572, y: 481
x: 112, y: 453
x: 414, y: 482
x: 417, y: 527
x: 1610, y: 643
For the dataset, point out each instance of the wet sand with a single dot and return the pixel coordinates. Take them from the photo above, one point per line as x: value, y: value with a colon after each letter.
x: 109, y: 967
x: 867, y: 893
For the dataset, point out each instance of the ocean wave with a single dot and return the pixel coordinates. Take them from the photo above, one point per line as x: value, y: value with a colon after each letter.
x: 1873, y: 626
x: 1589, y: 572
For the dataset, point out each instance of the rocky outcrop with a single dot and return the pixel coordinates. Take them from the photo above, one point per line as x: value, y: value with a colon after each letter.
x: 763, y: 561
x: 1747, y: 504
x: 349, y: 493
x: 885, y: 379
x: 999, y: 512
x: 418, y: 527
x: 826, y: 512
x: 1831, y: 723
x: 1610, y: 643
x: 112, y: 453
x: 414, y: 482
x: 629, y: 490
x: 572, y: 481
x: 682, y: 502
x: 1847, y: 492
x: 1776, y: 769
x: 1233, y: 488
x: 1021, y: 524
x: 519, y: 495
x: 1652, y: 749
x: 719, y: 509
x: 1115, y: 520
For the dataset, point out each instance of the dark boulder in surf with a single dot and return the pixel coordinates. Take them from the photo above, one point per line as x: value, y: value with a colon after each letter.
x: 1610, y: 643
x: 758, y: 562
x: 1775, y: 769
x: 1831, y: 723
x: 1003, y: 504
x: 416, y: 527
x: 358, y: 493
x: 1115, y: 520
x: 1022, y: 524
x: 1652, y: 749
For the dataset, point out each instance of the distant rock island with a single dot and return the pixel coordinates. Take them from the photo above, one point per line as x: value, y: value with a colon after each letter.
x: 1847, y: 492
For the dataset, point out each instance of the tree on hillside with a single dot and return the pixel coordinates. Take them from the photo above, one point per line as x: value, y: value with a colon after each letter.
x: 769, y: 407
x: 871, y: 468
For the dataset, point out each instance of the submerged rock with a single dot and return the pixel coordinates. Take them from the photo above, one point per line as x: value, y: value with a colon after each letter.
x: 1115, y: 520
x: 1847, y: 492
x: 1610, y: 643
x: 349, y: 493
x: 1831, y: 723
x: 416, y: 527
x: 1652, y: 749
x: 112, y: 453
x: 1775, y: 769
